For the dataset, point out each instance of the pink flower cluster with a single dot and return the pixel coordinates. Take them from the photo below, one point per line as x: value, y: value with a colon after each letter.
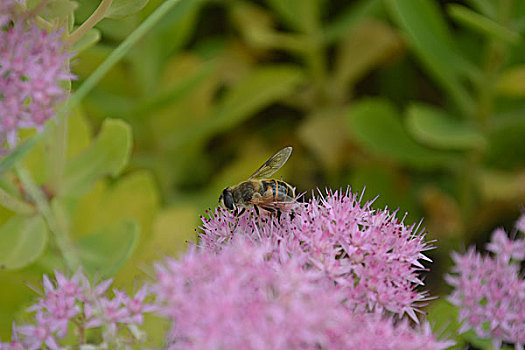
x: 239, y: 299
x: 489, y: 290
x: 32, y: 65
x: 372, y: 256
x: 75, y: 301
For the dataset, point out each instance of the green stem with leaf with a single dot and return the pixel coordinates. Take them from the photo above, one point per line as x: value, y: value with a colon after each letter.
x: 92, y: 21
x: 64, y: 242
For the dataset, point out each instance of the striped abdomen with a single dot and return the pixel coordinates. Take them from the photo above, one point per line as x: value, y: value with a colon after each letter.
x: 277, y: 191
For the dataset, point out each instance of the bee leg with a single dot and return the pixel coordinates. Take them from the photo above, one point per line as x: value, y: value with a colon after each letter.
x: 256, y: 210
x: 273, y: 211
x: 238, y: 214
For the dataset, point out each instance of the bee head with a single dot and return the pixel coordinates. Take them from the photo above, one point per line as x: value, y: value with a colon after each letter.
x: 226, y: 198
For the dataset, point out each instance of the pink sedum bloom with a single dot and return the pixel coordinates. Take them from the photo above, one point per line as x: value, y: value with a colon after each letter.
x: 490, y: 292
x: 371, y: 255
x: 505, y: 248
x: 238, y: 299
x: 32, y: 64
x: 70, y: 302
x: 520, y: 224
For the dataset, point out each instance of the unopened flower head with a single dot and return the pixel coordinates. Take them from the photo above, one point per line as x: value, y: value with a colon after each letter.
x: 370, y: 254
x: 490, y: 291
x: 74, y: 301
x: 33, y: 63
x: 238, y: 299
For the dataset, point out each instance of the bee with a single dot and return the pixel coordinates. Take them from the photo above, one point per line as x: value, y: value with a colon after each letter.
x: 259, y: 191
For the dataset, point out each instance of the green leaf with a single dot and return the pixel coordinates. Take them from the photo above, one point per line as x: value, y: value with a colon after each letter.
x: 133, y: 196
x: 507, y: 144
x: 432, y: 41
x: 443, y: 317
x: 435, y: 128
x: 116, y: 55
x: 369, y: 44
x: 349, y: 17
x: 106, y: 251
x: 11, y: 202
x: 107, y: 155
x: 176, y: 28
x: 378, y: 128
x: 178, y: 91
x: 7, y: 162
x: 22, y: 240
x: 79, y: 133
x: 482, y: 24
x: 59, y: 8
x: 260, y: 88
x: 486, y: 7
x: 478, y: 343
x: 512, y: 82
x: 89, y: 39
x: 124, y: 8
x: 300, y: 15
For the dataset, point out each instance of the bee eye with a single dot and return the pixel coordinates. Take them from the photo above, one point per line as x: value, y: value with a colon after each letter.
x: 228, y: 200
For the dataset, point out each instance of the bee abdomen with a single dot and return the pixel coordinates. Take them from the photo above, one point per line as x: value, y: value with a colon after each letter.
x: 277, y: 191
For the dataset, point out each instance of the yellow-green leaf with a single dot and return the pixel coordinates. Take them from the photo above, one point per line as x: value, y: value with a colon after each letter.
x: 107, y: 155
x: 512, y: 82
x: 106, y: 251
x: 22, y: 240
x: 124, y: 8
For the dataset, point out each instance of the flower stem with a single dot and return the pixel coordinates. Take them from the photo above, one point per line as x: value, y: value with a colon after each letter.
x: 117, y: 54
x: 64, y: 242
x: 17, y: 205
x: 58, y: 152
x: 89, y: 23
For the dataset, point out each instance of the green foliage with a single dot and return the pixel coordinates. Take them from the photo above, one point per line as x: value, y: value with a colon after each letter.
x: 435, y: 128
x: 104, y: 252
x: 107, y: 155
x: 124, y: 8
x: 89, y: 39
x: 378, y: 127
x: 483, y: 24
x: 23, y: 240
x: 432, y: 41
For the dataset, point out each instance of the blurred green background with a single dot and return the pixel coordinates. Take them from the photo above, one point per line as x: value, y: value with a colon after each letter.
x: 420, y: 101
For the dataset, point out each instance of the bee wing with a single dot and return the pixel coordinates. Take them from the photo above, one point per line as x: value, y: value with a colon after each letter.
x: 278, y: 206
x: 273, y: 164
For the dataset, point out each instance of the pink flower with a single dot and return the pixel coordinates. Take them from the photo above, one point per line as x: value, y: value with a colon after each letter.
x: 238, y: 299
x: 32, y: 64
x: 490, y: 292
x: 40, y: 334
x: 107, y: 312
x: 15, y: 343
x: 370, y: 254
x: 520, y: 224
x: 137, y: 306
x: 74, y: 302
x: 505, y: 248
